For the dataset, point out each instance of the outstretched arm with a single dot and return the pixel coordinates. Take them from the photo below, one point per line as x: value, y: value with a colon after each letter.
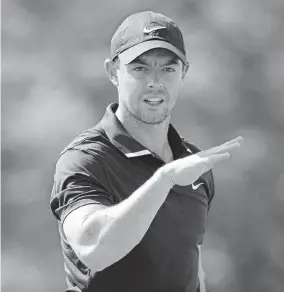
x: 103, y: 237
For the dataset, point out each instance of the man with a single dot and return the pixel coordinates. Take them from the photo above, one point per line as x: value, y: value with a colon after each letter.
x: 130, y: 195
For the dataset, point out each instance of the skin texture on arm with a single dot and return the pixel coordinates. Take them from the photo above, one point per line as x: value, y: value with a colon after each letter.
x: 100, y: 236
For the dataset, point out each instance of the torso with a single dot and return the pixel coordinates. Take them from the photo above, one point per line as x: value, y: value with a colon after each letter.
x: 166, y: 259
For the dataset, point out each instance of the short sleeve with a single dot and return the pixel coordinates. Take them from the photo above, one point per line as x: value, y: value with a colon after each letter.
x: 79, y: 180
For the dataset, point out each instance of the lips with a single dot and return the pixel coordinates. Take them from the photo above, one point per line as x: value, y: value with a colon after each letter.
x: 154, y: 100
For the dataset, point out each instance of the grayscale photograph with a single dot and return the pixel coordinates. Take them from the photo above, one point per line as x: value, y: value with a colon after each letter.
x: 142, y: 146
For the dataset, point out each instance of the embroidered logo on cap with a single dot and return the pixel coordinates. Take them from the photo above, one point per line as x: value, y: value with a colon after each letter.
x: 150, y: 28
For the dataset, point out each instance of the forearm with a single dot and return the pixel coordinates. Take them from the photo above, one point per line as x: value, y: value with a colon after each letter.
x: 118, y: 229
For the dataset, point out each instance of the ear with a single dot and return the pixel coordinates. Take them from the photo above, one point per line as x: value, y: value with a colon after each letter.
x: 111, y: 71
x: 184, y: 71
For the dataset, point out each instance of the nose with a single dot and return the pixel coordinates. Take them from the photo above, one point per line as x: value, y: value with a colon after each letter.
x: 155, y: 82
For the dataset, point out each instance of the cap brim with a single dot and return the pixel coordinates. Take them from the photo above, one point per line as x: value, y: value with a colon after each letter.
x: 132, y: 53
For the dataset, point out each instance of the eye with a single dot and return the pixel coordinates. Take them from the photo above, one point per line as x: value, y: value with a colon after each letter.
x: 169, y: 69
x: 140, y: 68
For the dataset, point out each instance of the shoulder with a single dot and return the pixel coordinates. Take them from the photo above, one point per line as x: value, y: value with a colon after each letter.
x: 93, y: 138
x: 93, y: 142
x: 85, y: 153
x: 79, y: 176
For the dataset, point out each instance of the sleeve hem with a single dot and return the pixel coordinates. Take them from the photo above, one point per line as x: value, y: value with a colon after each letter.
x: 77, y: 205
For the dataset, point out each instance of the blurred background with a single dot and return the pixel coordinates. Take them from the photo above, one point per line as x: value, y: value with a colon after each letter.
x: 54, y: 87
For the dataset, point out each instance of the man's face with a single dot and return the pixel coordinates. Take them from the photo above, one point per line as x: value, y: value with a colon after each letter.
x: 149, y: 85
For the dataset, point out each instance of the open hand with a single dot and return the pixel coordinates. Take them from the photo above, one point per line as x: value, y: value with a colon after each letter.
x: 187, y: 170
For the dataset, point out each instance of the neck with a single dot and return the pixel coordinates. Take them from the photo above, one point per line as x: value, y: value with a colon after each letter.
x: 152, y: 136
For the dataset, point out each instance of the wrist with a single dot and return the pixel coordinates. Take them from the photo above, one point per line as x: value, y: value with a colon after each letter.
x: 164, y: 177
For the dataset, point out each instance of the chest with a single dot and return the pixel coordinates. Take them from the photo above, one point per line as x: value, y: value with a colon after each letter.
x: 183, y: 214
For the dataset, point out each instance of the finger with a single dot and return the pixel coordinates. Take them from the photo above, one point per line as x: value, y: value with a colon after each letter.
x: 211, y: 160
x: 238, y: 139
x: 233, y: 141
x: 225, y: 148
x: 219, y: 150
x: 228, y: 146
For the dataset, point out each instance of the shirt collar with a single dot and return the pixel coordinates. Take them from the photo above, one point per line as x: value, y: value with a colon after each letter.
x: 128, y: 145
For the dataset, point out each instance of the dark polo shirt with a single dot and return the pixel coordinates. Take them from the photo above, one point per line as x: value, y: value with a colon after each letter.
x: 105, y: 165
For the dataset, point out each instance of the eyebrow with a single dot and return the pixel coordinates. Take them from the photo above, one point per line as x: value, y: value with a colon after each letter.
x: 174, y: 61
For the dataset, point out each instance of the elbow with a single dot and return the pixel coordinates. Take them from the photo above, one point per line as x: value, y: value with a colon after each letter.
x: 100, y: 256
x: 89, y: 256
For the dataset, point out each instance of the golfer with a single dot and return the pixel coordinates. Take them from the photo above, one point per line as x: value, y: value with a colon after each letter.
x: 130, y: 195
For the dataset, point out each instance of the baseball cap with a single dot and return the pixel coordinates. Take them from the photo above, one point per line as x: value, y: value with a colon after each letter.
x: 143, y: 31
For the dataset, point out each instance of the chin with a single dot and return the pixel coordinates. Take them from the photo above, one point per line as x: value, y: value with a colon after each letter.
x: 146, y: 116
x: 154, y: 120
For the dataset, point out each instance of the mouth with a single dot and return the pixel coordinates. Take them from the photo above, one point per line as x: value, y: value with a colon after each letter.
x: 154, y: 100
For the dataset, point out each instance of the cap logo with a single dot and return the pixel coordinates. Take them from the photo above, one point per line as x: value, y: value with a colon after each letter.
x: 150, y: 28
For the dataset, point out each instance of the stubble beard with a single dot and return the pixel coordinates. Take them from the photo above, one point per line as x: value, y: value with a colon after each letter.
x: 147, y: 120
